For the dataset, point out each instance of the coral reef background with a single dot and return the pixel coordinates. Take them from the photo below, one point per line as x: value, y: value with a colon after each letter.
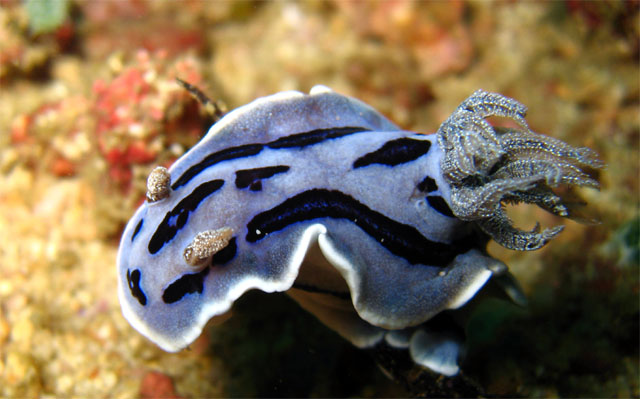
x: 89, y: 105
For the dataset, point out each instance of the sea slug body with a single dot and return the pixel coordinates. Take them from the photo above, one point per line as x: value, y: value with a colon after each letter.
x: 373, y: 229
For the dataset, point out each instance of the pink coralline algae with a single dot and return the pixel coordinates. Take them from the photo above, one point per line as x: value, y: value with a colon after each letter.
x: 60, y: 128
x: 139, y: 111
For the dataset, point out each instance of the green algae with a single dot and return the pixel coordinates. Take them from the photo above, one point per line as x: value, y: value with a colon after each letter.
x: 47, y: 15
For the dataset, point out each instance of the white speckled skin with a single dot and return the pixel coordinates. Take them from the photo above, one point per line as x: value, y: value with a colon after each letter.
x: 387, y: 292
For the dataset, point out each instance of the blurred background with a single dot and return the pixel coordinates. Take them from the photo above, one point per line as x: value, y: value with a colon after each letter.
x: 89, y: 105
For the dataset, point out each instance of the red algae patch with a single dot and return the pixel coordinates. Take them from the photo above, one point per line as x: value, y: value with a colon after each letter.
x: 156, y: 385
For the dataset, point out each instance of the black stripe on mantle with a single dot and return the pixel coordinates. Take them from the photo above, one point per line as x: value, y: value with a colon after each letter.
x: 395, y: 152
x: 400, y: 239
x: 252, y: 177
x: 297, y: 140
x: 189, y: 283
x: 179, y: 215
x: 133, y: 281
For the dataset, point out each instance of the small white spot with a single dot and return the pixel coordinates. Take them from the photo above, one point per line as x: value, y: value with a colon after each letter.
x: 136, y: 130
x: 442, y: 273
x: 292, y: 15
x: 258, y: 232
x: 318, y: 89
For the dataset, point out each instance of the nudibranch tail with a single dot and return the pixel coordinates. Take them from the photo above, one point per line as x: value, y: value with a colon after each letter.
x: 487, y: 166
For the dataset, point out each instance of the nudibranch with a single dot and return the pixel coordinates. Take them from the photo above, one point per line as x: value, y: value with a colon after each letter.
x: 373, y: 229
